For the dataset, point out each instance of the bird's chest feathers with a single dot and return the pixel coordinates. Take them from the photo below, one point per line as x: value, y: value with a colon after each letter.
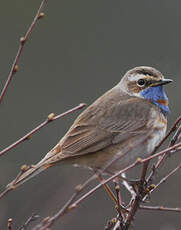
x: 158, y: 97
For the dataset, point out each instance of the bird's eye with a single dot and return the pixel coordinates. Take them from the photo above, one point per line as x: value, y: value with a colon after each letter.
x: 141, y: 82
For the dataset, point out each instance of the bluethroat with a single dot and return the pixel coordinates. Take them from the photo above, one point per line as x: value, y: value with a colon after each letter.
x: 125, y: 123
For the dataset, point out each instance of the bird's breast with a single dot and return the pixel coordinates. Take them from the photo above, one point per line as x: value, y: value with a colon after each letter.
x: 158, y: 123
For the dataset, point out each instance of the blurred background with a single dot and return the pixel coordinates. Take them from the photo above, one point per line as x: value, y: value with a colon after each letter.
x: 76, y: 53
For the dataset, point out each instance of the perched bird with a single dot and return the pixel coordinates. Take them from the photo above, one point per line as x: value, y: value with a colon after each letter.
x: 125, y: 123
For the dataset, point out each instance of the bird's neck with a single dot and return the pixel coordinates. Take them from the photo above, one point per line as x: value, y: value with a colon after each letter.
x: 158, y: 96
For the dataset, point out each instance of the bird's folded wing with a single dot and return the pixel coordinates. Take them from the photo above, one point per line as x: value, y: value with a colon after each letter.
x: 94, y: 130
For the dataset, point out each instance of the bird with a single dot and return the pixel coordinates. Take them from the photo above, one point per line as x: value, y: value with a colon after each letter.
x: 124, y: 124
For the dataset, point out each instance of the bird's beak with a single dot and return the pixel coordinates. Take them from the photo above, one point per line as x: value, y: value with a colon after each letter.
x: 161, y: 82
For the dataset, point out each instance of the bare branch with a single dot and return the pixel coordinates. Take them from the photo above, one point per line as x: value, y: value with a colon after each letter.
x: 23, y: 40
x: 71, y: 204
x: 23, y: 169
x: 50, y: 118
x: 32, y: 218
x: 163, y: 180
x: 159, y: 208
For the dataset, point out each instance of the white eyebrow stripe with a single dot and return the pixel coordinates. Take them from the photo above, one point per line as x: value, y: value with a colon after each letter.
x: 136, y: 77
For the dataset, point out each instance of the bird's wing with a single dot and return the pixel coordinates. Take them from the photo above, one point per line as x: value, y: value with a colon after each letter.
x: 107, y: 121
x: 103, y: 124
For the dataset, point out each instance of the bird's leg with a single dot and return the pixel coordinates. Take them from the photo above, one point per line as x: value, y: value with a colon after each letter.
x: 117, y: 189
x: 107, y: 188
x: 119, y: 200
x: 120, y: 204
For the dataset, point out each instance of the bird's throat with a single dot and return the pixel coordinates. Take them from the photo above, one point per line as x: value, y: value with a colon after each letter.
x: 158, y: 96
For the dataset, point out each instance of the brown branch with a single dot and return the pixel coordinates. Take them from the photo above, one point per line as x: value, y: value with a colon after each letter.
x: 50, y: 118
x: 141, y: 191
x: 49, y: 221
x: 159, y: 208
x: 5, y: 192
x: 23, y: 40
x: 163, y: 180
x: 8, y: 189
x: 167, y: 150
x: 71, y: 204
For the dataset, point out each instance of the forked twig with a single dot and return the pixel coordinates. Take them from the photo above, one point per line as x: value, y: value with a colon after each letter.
x: 71, y: 204
x: 141, y: 191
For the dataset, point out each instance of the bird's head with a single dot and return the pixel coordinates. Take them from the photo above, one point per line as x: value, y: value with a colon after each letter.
x: 146, y: 82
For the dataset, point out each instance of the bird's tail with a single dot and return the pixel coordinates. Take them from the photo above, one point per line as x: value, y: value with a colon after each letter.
x: 33, y: 170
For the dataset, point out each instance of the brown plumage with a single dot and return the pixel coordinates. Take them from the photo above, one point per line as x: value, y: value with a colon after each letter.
x: 117, y: 127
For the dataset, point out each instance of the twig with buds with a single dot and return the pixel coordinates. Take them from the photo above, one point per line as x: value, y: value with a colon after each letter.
x: 71, y: 204
x: 51, y: 117
x: 23, y: 40
x: 24, y: 168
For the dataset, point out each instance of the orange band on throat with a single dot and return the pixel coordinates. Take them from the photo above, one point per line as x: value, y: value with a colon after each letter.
x: 163, y: 102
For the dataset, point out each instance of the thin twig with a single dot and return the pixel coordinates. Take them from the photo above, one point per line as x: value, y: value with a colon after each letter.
x: 23, y: 40
x: 8, y: 189
x: 176, y: 137
x: 163, y: 180
x: 48, y: 222
x: 167, y: 150
x: 141, y: 192
x: 159, y: 208
x: 5, y: 192
x: 32, y: 218
x: 71, y: 204
x: 50, y: 118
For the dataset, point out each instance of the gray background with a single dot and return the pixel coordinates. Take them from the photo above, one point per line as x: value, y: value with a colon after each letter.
x: 76, y: 53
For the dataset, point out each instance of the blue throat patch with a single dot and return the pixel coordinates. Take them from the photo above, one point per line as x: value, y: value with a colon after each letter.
x: 155, y: 94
